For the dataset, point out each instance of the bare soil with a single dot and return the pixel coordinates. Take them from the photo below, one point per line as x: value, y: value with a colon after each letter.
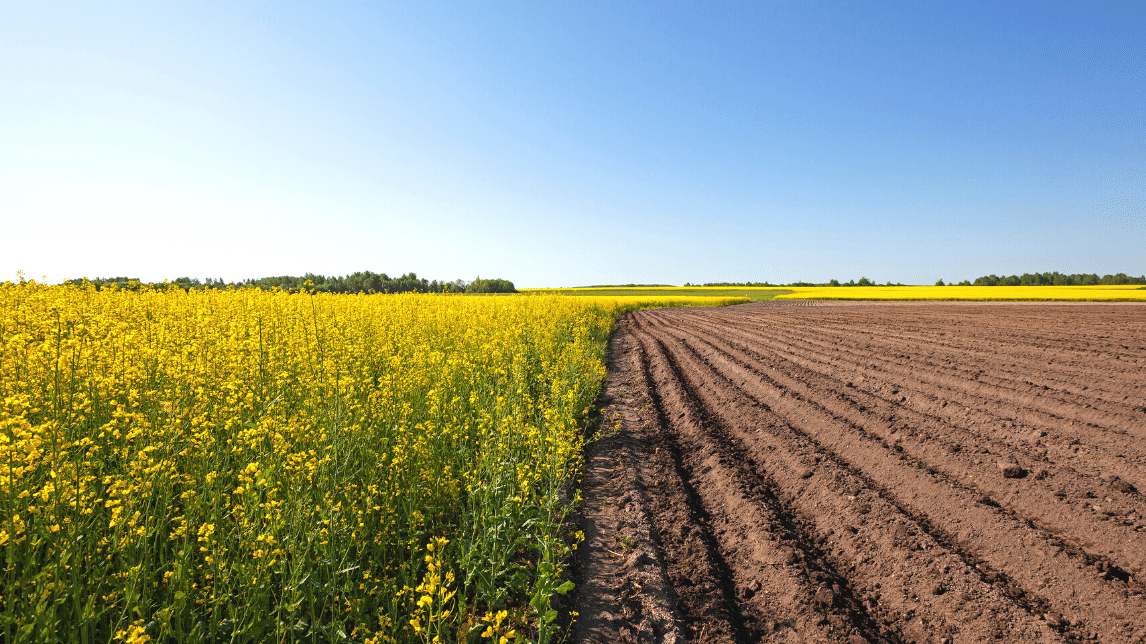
x: 869, y: 472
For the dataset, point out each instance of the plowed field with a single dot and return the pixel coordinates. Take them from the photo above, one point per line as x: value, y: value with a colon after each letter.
x: 879, y: 472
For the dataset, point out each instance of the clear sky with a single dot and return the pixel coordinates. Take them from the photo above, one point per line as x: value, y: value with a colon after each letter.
x: 573, y: 143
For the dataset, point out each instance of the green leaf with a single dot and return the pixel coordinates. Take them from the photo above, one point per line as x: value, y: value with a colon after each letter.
x: 565, y: 587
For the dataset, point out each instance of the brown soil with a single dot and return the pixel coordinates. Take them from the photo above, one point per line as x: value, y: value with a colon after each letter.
x: 869, y: 472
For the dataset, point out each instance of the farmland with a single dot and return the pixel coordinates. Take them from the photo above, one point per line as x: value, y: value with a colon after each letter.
x: 246, y: 465
x: 882, y: 472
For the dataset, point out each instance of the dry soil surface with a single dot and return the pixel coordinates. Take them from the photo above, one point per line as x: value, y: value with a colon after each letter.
x: 869, y: 472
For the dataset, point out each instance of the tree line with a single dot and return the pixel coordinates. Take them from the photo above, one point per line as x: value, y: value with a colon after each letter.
x: 1058, y: 279
x: 358, y: 282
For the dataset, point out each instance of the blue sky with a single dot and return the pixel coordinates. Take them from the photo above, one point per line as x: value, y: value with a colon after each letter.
x: 561, y: 144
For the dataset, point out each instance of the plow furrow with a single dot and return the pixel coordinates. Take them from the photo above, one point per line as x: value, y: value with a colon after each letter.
x: 825, y: 474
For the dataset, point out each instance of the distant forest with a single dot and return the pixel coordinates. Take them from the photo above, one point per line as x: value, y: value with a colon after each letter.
x: 370, y: 282
x: 1058, y: 279
x: 359, y: 282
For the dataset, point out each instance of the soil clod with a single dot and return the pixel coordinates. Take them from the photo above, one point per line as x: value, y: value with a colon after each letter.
x: 1011, y: 469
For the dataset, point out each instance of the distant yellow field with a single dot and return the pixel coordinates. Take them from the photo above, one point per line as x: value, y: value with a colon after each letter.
x: 634, y: 302
x: 1132, y: 293
x: 655, y: 296
x: 670, y: 295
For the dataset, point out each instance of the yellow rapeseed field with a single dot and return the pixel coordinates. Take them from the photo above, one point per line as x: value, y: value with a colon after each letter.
x: 1101, y: 293
x: 244, y: 465
x: 622, y: 303
x: 719, y: 295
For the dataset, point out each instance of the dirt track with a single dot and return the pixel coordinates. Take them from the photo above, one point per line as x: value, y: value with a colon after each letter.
x: 882, y: 472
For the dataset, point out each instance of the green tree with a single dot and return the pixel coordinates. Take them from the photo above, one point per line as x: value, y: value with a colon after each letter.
x: 490, y: 286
